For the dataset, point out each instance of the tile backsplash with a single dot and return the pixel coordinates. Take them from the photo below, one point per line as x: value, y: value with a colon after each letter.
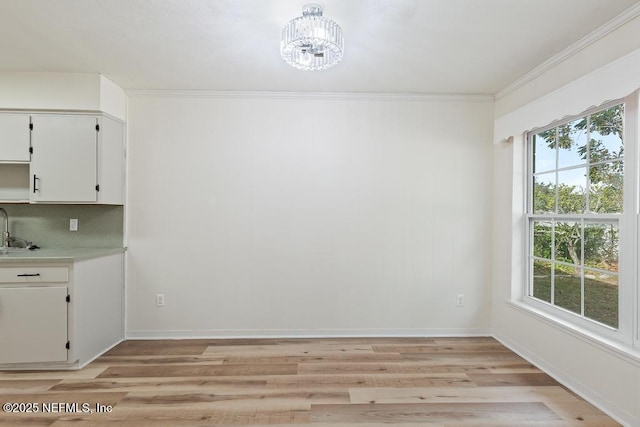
x: 47, y: 226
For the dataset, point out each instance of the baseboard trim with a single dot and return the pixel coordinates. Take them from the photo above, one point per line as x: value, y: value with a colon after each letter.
x: 303, y: 333
x: 587, y: 393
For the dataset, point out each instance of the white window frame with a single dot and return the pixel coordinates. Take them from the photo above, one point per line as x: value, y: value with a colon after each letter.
x: 628, y: 331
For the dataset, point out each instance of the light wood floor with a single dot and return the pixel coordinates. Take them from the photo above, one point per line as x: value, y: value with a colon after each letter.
x: 316, y: 382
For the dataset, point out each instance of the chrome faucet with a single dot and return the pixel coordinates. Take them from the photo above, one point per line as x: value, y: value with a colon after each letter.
x: 5, y: 229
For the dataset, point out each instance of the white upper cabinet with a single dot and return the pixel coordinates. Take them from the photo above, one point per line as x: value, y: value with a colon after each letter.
x: 14, y: 137
x: 111, y: 161
x: 64, y: 158
x: 75, y: 158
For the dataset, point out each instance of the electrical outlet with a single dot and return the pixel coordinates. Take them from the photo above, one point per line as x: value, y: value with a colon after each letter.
x: 73, y: 224
x: 160, y: 300
x: 460, y: 300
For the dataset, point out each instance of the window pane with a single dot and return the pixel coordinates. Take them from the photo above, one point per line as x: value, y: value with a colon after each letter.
x: 568, y: 242
x: 606, y: 187
x: 567, y: 288
x: 601, y: 297
x: 606, y: 134
x: 571, y: 191
x: 572, y: 143
x: 542, y: 239
x: 601, y: 245
x: 544, y: 193
x: 544, y: 153
x: 541, y: 280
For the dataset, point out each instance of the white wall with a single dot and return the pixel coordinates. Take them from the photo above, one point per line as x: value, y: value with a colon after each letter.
x: 604, y: 375
x: 266, y: 215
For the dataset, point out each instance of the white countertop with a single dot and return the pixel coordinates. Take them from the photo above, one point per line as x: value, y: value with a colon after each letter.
x: 58, y: 254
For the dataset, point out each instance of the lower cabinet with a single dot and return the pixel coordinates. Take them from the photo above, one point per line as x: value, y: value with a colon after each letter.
x: 33, y: 324
x: 60, y: 315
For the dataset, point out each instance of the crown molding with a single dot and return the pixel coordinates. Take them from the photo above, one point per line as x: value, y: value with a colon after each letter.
x: 586, y: 41
x: 354, y: 96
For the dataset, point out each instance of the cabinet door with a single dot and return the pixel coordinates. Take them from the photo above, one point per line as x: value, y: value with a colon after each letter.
x: 33, y: 324
x: 63, y: 163
x: 111, y: 161
x: 14, y: 137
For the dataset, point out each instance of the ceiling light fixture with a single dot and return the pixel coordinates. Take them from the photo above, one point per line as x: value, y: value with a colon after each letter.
x: 311, y: 41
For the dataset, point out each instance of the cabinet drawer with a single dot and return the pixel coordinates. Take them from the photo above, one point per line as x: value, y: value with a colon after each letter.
x: 28, y: 274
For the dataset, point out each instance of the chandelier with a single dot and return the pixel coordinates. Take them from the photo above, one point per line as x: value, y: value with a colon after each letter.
x: 311, y: 41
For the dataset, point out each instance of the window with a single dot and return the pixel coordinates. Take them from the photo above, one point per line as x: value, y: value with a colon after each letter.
x: 576, y: 219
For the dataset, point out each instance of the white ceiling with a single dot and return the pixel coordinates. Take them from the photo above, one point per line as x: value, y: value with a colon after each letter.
x: 395, y: 46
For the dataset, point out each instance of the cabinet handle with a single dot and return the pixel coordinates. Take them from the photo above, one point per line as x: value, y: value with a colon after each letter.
x: 34, y: 182
x: 29, y: 275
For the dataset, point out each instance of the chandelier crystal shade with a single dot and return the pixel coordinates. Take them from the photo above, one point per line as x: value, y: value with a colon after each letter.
x: 311, y: 41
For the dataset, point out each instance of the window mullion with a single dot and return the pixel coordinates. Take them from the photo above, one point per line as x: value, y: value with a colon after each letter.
x: 557, y: 175
x: 582, y: 265
x: 553, y: 262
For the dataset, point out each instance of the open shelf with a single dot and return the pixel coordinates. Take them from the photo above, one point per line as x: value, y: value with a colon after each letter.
x: 14, y: 183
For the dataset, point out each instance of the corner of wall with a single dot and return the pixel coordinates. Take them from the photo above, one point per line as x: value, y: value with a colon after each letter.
x: 113, y: 100
x: 617, y: 42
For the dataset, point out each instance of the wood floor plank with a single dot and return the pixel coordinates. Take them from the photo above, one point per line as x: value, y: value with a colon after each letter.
x: 515, y: 370
x: 197, y: 370
x: 450, y: 347
x: 268, y: 413
x: 88, y: 372
x: 522, y: 379
x: 51, y: 406
x: 460, y: 395
x: 26, y: 421
x: 157, y: 350
x: 200, y: 423
x: 203, y: 421
x: 159, y: 360
x: 319, y: 348
x: 186, y: 346
x: 413, y: 368
x: 396, y: 380
x: 465, y: 340
x: 163, y: 384
x: 26, y: 386
x: 360, y: 357
x: 351, y: 340
x: 462, y: 356
x: 110, y: 397
x: 246, y: 397
x: 433, y: 412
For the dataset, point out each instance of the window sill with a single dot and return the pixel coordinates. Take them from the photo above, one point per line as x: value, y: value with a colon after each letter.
x: 615, y: 348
